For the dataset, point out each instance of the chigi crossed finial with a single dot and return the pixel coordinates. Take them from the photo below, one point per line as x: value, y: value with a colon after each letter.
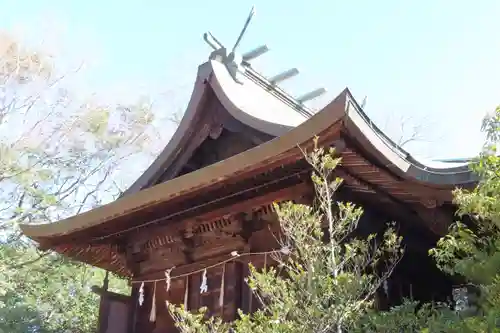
x: 242, y: 33
x: 211, y: 40
x: 237, y: 64
x: 233, y: 60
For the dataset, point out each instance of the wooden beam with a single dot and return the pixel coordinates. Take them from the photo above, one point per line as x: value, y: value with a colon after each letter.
x: 225, y: 211
x: 189, y: 250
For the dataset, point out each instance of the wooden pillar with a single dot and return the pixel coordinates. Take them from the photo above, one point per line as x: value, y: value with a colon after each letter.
x: 102, y: 324
x: 246, y: 292
x: 133, y: 309
x: 164, y: 322
x: 194, y: 292
x: 142, y: 312
x: 232, y: 291
x: 239, y: 282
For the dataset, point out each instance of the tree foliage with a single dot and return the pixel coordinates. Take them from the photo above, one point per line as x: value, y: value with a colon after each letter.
x: 470, y: 251
x: 51, y: 294
x: 60, y: 151
x: 60, y: 154
x: 472, y: 248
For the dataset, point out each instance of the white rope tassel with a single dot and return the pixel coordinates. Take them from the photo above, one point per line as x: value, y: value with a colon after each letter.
x: 221, y: 295
x: 186, y: 294
x: 152, y: 315
x: 203, y: 285
x: 265, y: 261
x: 141, y: 294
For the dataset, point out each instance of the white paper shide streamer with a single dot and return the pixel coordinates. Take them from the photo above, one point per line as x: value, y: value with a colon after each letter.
x: 186, y: 294
x: 221, y: 295
x: 168, y: 279
x: 204, y: 281
x: 141, y: 294
x: 168, y: 283
x: 152, y: 315
x: 204, y: 285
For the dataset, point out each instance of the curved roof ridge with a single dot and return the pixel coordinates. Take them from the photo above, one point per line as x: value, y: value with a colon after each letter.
x: 239, y: 97
x: 464, y: 168
x: 251, y: 74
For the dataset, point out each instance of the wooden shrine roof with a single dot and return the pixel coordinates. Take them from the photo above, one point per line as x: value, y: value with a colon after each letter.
x: 370, y: 162
x: 248, y: 163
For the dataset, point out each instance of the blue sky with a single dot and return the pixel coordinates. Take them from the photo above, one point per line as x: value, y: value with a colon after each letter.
x: 433, y: 63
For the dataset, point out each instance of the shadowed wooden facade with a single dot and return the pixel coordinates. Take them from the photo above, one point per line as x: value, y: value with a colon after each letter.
x: 210, y: 192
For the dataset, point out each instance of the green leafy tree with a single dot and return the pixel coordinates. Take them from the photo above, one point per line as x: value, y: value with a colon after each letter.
x: 48, y: 295
x: 472, y: 248
x: 471, y: 251
x: 60, y: 154
x: 331, y: 276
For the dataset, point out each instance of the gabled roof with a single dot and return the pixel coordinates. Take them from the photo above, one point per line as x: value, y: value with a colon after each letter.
x: 255, y: 103
x: 260, y: 105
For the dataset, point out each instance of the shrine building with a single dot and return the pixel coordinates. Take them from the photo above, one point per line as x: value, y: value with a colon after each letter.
x: 209, y: 193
